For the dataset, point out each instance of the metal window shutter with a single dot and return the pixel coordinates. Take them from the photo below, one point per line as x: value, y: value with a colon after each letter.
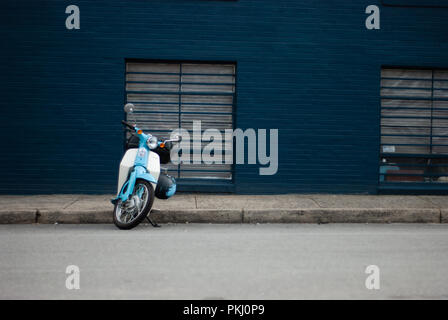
x: 414, y: 126
x: 168, y: 96
x: 414, y: 111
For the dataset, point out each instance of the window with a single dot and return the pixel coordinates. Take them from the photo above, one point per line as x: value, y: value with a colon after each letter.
x: 169, y: 95
x: 414, y: 125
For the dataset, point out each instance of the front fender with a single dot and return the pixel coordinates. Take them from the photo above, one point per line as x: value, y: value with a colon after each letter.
x: 139, y: 172
x: 142, y: 173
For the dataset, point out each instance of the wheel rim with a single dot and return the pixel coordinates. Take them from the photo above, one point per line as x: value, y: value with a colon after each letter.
x: 126, y: 212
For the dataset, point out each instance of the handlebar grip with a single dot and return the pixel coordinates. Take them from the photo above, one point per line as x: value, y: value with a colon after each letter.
x: 127, y: 124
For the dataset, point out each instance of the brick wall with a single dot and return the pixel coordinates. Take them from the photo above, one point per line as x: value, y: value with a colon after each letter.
x: 309, y: 68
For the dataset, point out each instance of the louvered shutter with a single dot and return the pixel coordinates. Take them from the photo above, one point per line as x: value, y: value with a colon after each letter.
x: 168, y: 96
x: 414, y: 111
x: 414, y: 125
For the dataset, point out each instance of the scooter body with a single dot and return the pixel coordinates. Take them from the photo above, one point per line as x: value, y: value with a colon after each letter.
x: 139, y: 178
x: 128, y: 162
x: 136, y: 164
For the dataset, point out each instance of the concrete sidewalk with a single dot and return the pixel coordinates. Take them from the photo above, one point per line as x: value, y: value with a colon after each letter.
x: 208, y: 208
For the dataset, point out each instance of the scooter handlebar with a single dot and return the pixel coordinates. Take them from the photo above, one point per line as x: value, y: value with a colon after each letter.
x: 127, y: 124
x: 177, y: 139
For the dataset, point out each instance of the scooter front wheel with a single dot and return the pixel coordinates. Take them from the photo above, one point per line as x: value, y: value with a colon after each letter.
x: 130, y: 213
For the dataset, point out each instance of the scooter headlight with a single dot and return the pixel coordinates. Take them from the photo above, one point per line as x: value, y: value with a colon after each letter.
x: 152, y: 142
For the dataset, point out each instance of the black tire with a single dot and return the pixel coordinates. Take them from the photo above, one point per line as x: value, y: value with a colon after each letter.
x: 142, y: 215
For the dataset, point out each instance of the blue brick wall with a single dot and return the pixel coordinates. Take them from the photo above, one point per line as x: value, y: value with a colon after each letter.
x: 309, y: 68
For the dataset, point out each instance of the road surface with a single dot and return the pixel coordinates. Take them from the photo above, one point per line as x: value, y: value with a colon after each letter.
x: 206, y: 261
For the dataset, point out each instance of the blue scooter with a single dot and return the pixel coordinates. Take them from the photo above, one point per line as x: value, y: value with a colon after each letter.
x: 139, y: 179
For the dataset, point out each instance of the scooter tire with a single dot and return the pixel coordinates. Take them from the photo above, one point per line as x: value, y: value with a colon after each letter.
x: 143, y: 214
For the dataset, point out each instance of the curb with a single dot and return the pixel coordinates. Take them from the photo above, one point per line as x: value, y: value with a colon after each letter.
x: 74, y: 217
x: 198, y: 216
x: 444, y: 215
x: 309, y: 215
x: 16, y: 217
x: 344, y: 215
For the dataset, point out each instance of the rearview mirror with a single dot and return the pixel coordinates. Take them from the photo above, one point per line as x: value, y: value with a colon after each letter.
x: 129, y: 108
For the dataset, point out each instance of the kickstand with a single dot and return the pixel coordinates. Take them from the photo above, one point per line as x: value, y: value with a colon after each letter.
x: 155, y: 225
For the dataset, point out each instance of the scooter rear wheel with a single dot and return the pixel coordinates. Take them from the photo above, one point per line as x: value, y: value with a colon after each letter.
x: 129, y: 214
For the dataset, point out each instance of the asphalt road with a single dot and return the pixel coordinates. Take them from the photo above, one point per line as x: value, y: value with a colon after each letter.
x: 204, y: 261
